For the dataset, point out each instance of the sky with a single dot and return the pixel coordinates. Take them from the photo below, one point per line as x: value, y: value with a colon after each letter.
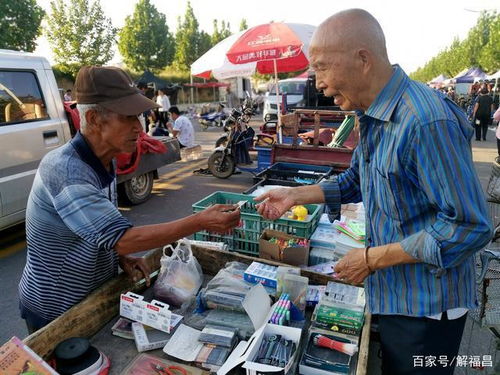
x: 415, y: 30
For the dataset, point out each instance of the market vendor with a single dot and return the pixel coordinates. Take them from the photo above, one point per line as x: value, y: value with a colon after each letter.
x: 426, y: 214
x: 76, y: 236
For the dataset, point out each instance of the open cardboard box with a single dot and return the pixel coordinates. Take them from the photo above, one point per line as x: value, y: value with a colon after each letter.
x: 246, y: 351
x: 295, y: 256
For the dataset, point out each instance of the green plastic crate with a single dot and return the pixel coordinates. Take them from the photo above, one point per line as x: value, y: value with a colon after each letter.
x: 245, y: 237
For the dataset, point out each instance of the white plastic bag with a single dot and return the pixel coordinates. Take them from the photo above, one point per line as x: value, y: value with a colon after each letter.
x: 180, y: 275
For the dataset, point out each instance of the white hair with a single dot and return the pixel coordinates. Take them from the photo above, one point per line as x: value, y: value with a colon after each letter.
x: 82, y: 110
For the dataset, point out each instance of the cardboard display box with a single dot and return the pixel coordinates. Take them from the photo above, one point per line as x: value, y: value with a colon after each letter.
x: 246, y: 351
x: 295, y: 256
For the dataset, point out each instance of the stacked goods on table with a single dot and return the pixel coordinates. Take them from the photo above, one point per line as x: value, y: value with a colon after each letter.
x: 331, y: 241
x: 333, y: 338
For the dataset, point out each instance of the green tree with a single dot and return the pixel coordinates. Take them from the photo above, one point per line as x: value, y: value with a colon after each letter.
x: 145, y: 41
x: 187, y: 40
x: 79, y: 34
x: 204, y: 43
x: 480, y: 48
x: 20, y: 24
x: 222, y: 33
x: 243, y: 24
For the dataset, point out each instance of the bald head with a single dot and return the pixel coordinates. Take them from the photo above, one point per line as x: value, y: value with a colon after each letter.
x: 350, y: 29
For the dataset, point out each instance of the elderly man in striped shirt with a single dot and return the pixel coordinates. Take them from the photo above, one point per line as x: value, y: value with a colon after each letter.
x: 75, y: 234
x: 425, y: 211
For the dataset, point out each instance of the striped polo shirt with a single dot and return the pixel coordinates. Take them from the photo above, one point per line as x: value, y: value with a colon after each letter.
x: 413, y: 170
x: 72, y: 225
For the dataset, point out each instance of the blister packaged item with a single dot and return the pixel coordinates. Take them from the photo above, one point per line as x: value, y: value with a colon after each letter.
x: 346, y: 294
x: 213, y: 355
x: 147, y: 338
x: 218, y: 335
x: 237, y: 320
x: 326, y: 268
x: 319, y: 255
x: 314, y: 294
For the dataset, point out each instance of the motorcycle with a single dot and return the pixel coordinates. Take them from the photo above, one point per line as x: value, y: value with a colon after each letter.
x: 233, y: 148
x: 216, y: 118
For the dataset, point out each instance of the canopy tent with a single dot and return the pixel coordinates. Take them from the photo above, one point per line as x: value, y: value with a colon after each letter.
x: 494, y: 76
x: 148, y: 77
x: 438, y: 81
x: 469, y: 75
x: 207, y: 85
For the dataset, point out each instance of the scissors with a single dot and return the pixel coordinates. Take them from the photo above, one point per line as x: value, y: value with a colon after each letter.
x: 170, y: 370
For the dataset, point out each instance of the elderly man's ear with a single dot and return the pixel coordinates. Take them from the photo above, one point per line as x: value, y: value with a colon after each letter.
x: 365, y: 58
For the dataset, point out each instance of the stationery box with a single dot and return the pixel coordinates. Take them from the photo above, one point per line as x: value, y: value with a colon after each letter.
x: 296, y: 256
x: 261, y: 273
x: 245, y: 352
x: 317, y: 360
x: 155, y: 314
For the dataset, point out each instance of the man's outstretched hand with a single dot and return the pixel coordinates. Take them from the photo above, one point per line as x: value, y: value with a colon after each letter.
x: 275, y: 203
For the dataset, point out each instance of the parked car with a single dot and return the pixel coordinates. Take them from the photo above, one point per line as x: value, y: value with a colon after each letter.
x: 294, y: 89
x: 33, y: 122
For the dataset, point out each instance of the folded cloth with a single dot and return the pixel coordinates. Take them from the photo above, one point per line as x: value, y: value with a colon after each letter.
x: 128, y: 162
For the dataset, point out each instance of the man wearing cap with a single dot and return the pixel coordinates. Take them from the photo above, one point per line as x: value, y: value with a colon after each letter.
x: 76, y: 237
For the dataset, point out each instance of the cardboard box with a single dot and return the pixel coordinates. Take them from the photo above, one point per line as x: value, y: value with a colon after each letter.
x: 296, y: 256
x: 246, y: 351
x: 155, y: 314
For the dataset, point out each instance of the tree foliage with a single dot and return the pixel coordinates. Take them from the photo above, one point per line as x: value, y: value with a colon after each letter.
x: 222, y: 33
x: 187, y: 40
x: 79, y: 34
x: 243, y: 24
x: 145, y: 41
x: 20, y: 24
x: 190, y: 42
x: 480, y: 48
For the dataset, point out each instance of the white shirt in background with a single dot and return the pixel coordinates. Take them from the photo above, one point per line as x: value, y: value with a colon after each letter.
x: 164, y: 102
x: 186, y: 131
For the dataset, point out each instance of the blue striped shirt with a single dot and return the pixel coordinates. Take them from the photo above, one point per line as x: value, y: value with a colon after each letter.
x: 413, y: 170
x: 72, y: 225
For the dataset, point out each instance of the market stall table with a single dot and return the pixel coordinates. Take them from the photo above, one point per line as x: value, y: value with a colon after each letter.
x: 94, y: 316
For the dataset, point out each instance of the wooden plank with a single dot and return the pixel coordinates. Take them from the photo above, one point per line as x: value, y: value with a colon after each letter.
x: 364, y: 346
x: 87, y: 318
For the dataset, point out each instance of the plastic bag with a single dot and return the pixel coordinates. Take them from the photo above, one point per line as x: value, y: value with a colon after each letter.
x: 180, y: 275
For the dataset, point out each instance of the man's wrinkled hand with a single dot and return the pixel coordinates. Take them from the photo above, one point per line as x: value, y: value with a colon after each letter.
x: 136, y: 268
x: 220, y: 218
x: 274, y: 203
x: 352, y: 268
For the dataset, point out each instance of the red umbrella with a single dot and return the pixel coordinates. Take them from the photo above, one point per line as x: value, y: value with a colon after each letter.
x: 276, y: 47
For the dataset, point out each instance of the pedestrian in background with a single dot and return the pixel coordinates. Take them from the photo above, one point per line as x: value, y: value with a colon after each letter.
x: 164, y: 103
x: 482, y: 113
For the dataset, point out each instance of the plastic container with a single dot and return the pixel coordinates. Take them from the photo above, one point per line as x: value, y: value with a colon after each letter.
x: 263, y: 157
x: 302, y: 173
x: 245, y: 237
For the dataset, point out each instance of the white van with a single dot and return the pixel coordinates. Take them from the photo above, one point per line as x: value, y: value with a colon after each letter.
x: 294, y: 89
x: 32, y: 123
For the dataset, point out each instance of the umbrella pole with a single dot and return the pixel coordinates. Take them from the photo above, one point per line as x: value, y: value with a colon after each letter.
x: 280, y: 134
